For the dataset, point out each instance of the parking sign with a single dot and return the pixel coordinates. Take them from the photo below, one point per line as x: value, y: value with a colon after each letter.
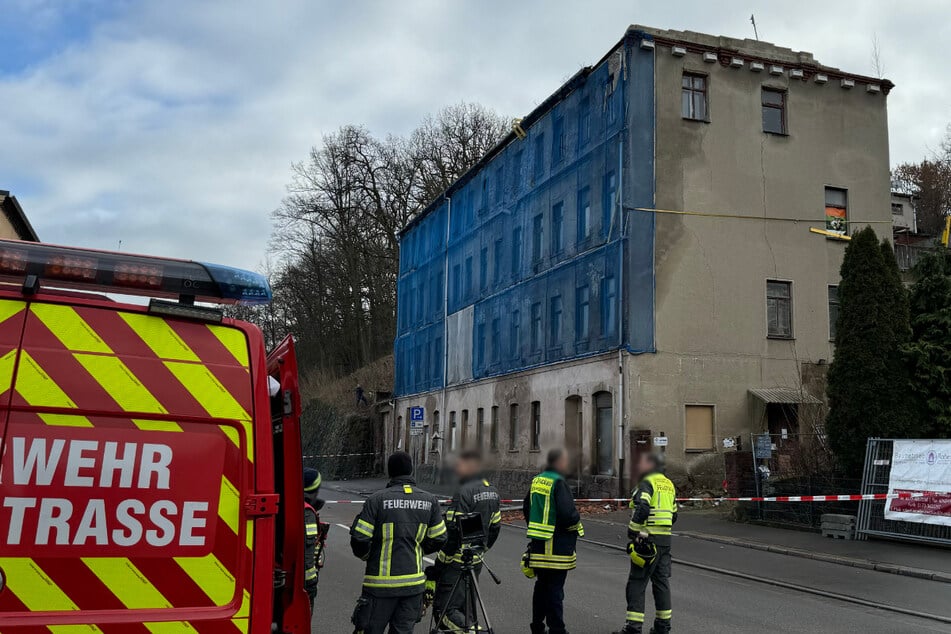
x: 417, y: 417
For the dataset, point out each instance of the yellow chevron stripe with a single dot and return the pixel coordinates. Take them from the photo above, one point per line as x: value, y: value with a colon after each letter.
x: 134, y: 590
x: 156, y: 425
x: 211, y: 576
x: 249, y: 535
x: 65, y: 420
x: 71, y: 329
x: 229, y: 505
x: 36, y: 590
x: 214, y: 398
x: 7, y: 362
x: 9, y: 308
x: 36, y: 386
x: 234, y: 340
x: 120, y: 383
x: 160, y: 337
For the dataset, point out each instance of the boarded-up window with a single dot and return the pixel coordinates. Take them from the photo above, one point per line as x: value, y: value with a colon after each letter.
x: 700, y: 435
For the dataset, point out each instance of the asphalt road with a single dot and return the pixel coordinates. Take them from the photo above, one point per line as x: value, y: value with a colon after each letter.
x: 704, y: 601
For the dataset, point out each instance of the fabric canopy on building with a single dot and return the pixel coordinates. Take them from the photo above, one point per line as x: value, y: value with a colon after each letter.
x: 784, y: 395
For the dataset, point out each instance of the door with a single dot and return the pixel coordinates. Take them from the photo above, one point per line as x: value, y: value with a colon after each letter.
x: 573, y: 432
x: 604, y: 430
x: 292, y: 606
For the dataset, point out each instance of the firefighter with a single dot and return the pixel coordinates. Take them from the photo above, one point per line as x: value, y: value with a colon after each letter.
x: 655, y: 511
x: 397, y: 526
x: 554, y: 526
x: 312, y: 504
x: 475, y: 495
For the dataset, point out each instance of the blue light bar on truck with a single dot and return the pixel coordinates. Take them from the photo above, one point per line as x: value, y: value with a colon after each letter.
x: 111, y: 272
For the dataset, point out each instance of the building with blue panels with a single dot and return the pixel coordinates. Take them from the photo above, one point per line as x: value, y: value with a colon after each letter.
x: 622, y: 266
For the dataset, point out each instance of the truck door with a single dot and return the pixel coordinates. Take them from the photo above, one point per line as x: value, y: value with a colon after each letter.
x: 291, y: 604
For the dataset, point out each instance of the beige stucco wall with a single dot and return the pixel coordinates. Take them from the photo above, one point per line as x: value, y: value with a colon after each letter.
x: 711, y: 272
x: 7, y: 232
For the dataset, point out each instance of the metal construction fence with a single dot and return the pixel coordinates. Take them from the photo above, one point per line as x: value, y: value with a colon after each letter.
x: 871, y: 520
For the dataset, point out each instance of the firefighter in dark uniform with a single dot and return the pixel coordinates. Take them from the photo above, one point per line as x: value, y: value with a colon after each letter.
x: 554, y: 526
x: 312, y: 504
x: 655, y: 511
x: 475, y: 495
x: 397, y: 526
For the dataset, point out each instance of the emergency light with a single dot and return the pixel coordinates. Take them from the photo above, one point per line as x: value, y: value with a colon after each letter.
x: 105, y: 271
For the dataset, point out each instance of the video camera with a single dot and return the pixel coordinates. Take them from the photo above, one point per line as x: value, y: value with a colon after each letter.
x: 471, y: 531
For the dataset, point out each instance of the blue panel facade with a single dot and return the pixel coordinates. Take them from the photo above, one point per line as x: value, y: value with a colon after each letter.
x: 538, y: 243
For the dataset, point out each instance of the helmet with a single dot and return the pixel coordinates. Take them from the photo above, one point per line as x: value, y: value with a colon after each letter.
x: 312, y: 480
x: 642, y: 552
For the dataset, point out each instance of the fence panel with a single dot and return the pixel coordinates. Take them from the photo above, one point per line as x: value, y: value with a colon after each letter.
x: 871, y: 519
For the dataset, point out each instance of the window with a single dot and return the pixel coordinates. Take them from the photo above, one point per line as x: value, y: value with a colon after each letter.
x: 699, y: 428
x: 693, y: 97
x: 584, y: 213
x: 582, y: 310
x: 604, y: 433
x: 494, y: 429
x: 833, y: 310
x: 480, y: 425
x: 499, y: 183
x: 837, y: 210
x: 468, y: 273
x: 779, y: 309
x: 536, y: 424
x: 465, y: 428
x: 774, y: 111
x: 513, y: 426
x: 495, y: 342
x: 538, y: 234
x: 607, y: 202
x: 538, y: 168
x: 480, y: 346
x: 497, y: 261
x: 484, y: 200
x: 515, y: 343
x: 584, y: 122
x: 516, y: 250
x: 557, y: 140
x: 452, y: 431
x: 517, y: 171
x: 557, y: 228
x: 608, y: 306
x: 536, y: 326
x: 612, y: 98
x: 456, y: 282
x: 554, y: 322
x: 898, y: 209
x: 484, y: 268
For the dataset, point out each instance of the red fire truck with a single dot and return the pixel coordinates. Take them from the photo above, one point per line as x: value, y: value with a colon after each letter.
x: 150, y: 478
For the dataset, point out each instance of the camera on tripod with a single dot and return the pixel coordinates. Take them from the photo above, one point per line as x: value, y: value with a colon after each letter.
x: 471, y: 531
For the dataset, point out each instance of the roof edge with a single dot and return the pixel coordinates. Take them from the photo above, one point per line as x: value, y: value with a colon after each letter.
x: 17, y: 217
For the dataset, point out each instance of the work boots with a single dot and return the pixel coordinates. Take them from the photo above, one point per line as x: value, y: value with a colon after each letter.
x: 629, y: 628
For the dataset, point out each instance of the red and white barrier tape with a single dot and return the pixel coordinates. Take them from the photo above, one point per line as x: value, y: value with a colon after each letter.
x: 338, y: 455
x: 777, y: 498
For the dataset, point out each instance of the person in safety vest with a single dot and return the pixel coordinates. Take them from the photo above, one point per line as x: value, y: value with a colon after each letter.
x: 312, y: 504
x: 554, y: 526
x: 655, y: 511
x: 397, y: 526
x: 475, y: 495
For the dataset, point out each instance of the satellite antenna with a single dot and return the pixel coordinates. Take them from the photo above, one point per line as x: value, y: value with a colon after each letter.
x: 753, y: 21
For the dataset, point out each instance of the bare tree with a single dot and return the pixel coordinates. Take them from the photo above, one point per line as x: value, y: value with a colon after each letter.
x: 929, y: 181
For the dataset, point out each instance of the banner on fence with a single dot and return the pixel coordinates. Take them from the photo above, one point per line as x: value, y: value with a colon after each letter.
x: 921, y: 466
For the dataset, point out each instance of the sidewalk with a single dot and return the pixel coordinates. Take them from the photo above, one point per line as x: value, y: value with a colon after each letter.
x: 926, y: 562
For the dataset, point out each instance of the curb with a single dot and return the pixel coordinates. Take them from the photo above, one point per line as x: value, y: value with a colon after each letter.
x: 919, y: 573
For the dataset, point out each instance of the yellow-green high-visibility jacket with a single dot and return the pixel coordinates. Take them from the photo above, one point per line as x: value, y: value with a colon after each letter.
x: 311, y: 534
x: 396, y: 527
x: 655, y: 506
x: 554, y: 523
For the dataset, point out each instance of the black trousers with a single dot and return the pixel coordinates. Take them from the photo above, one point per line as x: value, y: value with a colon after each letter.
x: 658, y: 576
x: 373, y: 614
x: 548, y: 601
x: 456, y: 611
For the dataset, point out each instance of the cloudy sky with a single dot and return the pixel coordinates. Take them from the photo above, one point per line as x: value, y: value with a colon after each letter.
x: 171, y: 125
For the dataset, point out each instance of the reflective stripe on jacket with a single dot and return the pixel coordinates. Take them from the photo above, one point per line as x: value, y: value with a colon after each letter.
x: 475, y: 495
x: 554, y: 524
x: 395, y: 528
x: 655, y: 506
x: 311, y: 533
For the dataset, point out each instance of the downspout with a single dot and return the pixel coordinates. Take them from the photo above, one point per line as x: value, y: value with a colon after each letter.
x: 622, y: 218
x: 445, y: 334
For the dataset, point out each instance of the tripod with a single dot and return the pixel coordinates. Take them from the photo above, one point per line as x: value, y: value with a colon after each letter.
x: 468, y: 585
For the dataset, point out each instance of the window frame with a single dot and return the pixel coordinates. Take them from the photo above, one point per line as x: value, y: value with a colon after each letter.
x: 494, y: 429
x: 513, y: 427
x: 515, y: 335
x: 537, y: 334
x: 826, y: 206
x: 536, y: 428
x: 713, y: 429
x: 704, y: 92
x: 555, y: 320
x: 557, y: 237
x: 831, y: 303
x: 538, y: 238
x: 782, y: 107
x: 789, y: 300
x: 583, y: 217
x: 582, y: 312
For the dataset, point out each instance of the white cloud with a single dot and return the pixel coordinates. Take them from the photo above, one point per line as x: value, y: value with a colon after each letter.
x: 171, y: 125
